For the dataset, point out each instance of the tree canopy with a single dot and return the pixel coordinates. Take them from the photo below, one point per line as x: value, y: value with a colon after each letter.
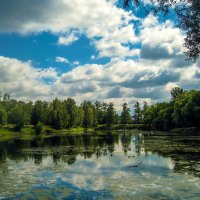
x: 183, y: 110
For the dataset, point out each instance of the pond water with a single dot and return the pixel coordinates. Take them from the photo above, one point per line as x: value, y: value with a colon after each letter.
x: 118, y: 165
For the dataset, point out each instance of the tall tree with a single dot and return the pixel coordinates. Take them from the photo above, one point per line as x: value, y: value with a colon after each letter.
x: 72, y: 111
x: 17, y: 117
x: 111, y: 114
x: 6, y: 97
x: 125, y: 117
x: 89, y: 115
x: 39, y: 112
x: 137, y: 113
x: 175, y: 92
x: 58, y: 115
x: 144, y: 112
x: 3, y: 116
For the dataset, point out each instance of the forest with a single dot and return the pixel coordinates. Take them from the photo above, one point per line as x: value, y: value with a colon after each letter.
x: 183, y: 110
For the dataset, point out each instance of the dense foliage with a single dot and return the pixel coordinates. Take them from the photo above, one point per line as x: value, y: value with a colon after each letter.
x: 183, y: 110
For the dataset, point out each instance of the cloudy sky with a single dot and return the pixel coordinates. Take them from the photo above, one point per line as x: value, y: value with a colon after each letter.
x: 90, y: 49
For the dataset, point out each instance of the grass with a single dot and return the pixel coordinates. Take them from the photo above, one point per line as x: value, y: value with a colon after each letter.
x: 116, y: 127
x: 28, y: 133
x: 7, y: 133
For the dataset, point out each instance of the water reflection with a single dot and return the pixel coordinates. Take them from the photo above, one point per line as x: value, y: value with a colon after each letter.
x: 183, y: 150
x: 103, y: 166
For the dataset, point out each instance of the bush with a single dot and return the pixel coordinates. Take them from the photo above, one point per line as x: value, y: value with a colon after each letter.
x: 39, y: 128
x: 3, y: 117
x: 18, y: 127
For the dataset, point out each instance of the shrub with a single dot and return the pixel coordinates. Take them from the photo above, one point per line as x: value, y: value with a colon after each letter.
x: 39, y: 128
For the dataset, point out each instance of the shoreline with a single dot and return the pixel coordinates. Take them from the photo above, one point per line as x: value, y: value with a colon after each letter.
x: 28, y: 133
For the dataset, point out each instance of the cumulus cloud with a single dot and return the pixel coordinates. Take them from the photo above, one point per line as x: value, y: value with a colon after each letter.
x: 68, y: 39
x: 117, y: 81
x: 76, y: 63
x: 151, y: 79
x: 159, y: 67
x: 24, y: 81
x: 61, y: 60
x: 94, y: 18
x: 160, y: 40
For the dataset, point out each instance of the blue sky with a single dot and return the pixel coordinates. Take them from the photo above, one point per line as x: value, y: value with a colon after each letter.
x: 93, y: 50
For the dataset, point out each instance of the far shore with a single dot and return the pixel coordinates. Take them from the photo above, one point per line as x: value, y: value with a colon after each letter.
x: 27, y: 133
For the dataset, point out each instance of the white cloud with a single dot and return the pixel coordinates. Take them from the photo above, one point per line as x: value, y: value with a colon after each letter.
x: 76, y: 63
x: 24, y: 81
x: 117, y: 81
x: 150, y: 21
x: 160, y: 41
x: 68, y: 39
x: 94, y: 18
x: 93, y: 57
x: 160, y: 66
x: 61, y: 60
x: 109, y: 48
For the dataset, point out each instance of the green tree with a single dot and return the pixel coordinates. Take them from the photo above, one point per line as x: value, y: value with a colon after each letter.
x: 3, y: 117
x: 137, y: 113
x: 39, y: 112
x: 6, y: 97
x: 125, y: 117
x: 73, y: 112
x: 58, y: 114
x: 39, y: 128
x: 111, y: 114
x: 144, y: 112
x: 187, y: 109
x: 17, y: 117
x: 89, y: 114
x: 80, y: 117
x: 175, y: 92
x: 100, y: 113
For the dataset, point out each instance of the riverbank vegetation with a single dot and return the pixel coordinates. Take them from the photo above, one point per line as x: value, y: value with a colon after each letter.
x: 183, y: 110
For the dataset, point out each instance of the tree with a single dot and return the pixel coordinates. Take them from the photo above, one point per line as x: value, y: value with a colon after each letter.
x: 100, y: 113
x: 188, y: 12
x: 80, y: 117
x: 175, y: 92
x: 111, y: 114
x: 3, y: 117
x: 39, y: 112
x: 58, y: 115
x: 187, y: 109
x: 89, y: 115
x: 125, y: 117
x: 73, y: 112
x: 39, y: 128
x: 17, y: 117
x: 6, y: 97
x: 144, y: 112
x: 137, y: 113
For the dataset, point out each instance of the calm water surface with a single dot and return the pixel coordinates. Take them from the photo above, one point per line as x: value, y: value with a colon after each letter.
x: 119, y: 165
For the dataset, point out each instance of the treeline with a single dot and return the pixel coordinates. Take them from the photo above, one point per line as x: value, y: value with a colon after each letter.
x: 57, y: 114
x: 182, y: 111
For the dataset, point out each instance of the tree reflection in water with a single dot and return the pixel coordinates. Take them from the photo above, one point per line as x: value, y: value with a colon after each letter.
x: 182, y: 149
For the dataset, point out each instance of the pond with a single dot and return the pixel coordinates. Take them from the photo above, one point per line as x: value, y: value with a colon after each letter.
x: 118, y: 165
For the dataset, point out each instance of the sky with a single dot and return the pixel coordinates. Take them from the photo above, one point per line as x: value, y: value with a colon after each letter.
x: 91, y: 50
